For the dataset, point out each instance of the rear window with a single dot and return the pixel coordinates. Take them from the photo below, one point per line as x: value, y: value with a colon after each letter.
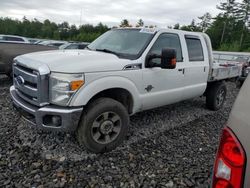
x: 195, y: 51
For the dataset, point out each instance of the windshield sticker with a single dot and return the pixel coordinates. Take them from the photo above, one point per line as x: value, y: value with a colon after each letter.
x: 148, y: 30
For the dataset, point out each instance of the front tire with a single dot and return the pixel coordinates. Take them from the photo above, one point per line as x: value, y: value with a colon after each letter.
x: 103, y: 126
x: 216, y: 96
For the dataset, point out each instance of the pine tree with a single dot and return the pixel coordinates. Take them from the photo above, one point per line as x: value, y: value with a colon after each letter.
x: 205, y: 21
x: 243, y: 16
x: 229, y: 9
x: 140, y: 23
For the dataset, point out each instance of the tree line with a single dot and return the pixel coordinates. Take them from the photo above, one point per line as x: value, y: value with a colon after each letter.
x: 51, y: 30
x: 229, y: 30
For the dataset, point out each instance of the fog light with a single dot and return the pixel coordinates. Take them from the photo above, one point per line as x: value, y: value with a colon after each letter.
x: 52, y: 120
x: 56, y: 121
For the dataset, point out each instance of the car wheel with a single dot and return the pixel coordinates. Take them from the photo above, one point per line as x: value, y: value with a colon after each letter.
x: 216, y: 96
x: 103, y: 126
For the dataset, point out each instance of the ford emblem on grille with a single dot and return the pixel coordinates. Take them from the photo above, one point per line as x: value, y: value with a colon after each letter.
x: 20, y: 80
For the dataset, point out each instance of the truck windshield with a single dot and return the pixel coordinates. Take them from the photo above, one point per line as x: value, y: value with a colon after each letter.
x: 125, y: 43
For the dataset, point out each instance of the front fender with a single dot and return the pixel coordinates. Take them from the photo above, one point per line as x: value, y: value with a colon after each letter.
x: 83, y: 96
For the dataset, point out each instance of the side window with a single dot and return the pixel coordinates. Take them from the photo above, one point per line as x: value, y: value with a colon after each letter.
x: 167, y: 40
x: 13, y: 39
x: 195, y: 51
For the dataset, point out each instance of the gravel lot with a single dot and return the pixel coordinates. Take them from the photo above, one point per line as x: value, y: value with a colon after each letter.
x: 173, y: 146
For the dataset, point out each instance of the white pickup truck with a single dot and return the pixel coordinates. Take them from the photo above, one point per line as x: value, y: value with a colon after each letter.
x: 124, y: 71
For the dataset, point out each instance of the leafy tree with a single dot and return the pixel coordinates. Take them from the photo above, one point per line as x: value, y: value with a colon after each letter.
x: 140, y: 23
x: 243, y: 15
x: 177, y: 26
x: 205, y: 21
x: 63, y: 29
x: 192, y: 27
x: 125, y: 23
x: 228, y: 10
x: 50, y: 30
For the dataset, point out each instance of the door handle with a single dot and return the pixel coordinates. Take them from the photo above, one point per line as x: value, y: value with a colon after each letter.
x: 182, y: 70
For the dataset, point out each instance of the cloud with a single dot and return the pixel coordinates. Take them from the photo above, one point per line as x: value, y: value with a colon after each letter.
x: 111, y: 12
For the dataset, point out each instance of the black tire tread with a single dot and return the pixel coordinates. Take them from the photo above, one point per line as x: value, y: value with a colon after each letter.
x: 211, y: 95
x: 94, y: 107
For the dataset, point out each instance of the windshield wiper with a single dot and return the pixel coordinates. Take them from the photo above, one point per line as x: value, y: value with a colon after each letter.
x: 108, y: 51
x: 88, y: 48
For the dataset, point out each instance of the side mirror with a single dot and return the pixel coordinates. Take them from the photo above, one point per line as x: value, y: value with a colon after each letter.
x: 168, y: 58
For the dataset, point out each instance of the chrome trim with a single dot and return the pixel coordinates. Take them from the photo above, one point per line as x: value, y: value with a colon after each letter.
x: 24, y: 105
x: 26, y: 75
x: 43, y: 70
x: 70, y: 116
x: 35, y: 86
x: 135, y: 66
x: 32, y: 92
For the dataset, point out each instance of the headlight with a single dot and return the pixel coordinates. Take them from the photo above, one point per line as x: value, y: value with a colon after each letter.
x: 63, y: 86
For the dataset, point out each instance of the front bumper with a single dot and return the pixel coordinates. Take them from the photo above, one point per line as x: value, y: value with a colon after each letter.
x: 42, y: 117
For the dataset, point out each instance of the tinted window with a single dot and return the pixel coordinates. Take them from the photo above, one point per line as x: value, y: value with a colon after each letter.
x: 195, y: 51
x: 56, y: 44
x: 167, y: 40
x: 82, y: 46
x: 13, y: 39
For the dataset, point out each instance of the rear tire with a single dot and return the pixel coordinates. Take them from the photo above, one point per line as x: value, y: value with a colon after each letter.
x: 103, y: 125
x: 239, y: 83
x: 216, y: 96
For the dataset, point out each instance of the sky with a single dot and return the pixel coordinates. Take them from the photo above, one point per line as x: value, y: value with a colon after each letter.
x: 162, y: 13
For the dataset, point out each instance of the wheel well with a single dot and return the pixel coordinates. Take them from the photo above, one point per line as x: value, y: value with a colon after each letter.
x: 211, y: 85
x: 118, y: 94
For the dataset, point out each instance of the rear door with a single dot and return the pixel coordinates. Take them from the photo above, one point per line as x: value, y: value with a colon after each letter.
x: 196, y: 66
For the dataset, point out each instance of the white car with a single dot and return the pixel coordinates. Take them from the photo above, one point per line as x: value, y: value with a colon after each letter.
x: 52, y: 43
x: 13, y: 39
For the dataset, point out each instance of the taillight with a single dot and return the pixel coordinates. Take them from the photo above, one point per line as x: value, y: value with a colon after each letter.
x: 230, y: 162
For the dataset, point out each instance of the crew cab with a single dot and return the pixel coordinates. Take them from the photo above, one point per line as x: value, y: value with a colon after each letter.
x: 94, y: 91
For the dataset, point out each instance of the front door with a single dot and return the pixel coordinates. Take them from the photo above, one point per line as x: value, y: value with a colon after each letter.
x: 163, y: 86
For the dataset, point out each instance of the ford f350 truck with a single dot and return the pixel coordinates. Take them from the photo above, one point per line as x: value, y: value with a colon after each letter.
x: 94, y: 91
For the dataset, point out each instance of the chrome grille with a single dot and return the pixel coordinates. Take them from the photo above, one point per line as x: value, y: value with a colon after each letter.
x: 31, y: 85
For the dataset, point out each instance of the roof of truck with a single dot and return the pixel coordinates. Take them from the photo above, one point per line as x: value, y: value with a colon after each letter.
x: 156, y: 29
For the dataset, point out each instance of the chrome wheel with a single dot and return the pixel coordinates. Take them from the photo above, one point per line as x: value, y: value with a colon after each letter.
x: 106, y: 127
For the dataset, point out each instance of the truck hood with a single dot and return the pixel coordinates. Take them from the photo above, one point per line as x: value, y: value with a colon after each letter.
x: 73, y: 61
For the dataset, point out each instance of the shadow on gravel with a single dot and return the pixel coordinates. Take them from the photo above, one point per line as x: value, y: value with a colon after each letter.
x: 5, y: 81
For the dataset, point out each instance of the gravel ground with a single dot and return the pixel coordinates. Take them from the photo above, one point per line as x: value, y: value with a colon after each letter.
x: 173, y: 146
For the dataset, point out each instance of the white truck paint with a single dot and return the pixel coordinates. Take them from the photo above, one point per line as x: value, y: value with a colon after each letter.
x: 133, y: 81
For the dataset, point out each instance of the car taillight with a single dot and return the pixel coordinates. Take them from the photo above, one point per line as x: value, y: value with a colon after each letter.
x: 230, y: 162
